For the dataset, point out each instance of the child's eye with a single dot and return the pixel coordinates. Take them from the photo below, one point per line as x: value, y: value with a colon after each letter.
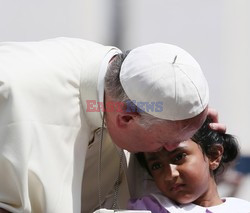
x: 156, y: 166
x: 179, y: 157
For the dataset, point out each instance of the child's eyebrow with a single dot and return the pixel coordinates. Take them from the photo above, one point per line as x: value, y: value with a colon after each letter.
x: 155, y: 156
x: 178, y: 149
x: 152, y: 158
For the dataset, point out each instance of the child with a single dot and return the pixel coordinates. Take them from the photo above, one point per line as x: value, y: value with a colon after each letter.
x: 186, y: 176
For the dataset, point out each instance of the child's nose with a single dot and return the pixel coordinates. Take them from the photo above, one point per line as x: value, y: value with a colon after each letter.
x: 172, y: 172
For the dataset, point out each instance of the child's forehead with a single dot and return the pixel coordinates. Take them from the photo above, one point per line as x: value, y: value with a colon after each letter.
x: 185, y: 145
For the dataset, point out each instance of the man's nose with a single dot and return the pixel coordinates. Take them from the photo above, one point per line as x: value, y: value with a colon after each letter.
x: 171, y: 146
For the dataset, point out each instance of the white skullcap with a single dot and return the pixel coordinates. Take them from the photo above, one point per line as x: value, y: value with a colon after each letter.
x: 167, y: 77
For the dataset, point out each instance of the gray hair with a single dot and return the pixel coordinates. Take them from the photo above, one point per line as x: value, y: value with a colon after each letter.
x: 114, y: 89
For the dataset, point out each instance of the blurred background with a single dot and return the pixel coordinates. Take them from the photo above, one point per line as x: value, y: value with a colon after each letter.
x: 215, y: 32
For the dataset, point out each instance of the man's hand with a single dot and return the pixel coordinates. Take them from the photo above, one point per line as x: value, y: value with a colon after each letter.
x: 213, y: 114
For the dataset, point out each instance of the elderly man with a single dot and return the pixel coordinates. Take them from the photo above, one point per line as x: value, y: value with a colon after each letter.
x: 52, y: 110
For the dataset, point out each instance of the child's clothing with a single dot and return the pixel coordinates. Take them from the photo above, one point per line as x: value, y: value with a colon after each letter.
x: 158, y: 203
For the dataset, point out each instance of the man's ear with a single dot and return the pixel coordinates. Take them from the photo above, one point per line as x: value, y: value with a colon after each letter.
x: 215, y: 156
x: 126, y: 119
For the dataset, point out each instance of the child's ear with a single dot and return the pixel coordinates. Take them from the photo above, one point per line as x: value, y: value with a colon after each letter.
x: 216, y: 153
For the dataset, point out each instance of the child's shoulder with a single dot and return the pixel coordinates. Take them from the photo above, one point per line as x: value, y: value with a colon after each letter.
x: 236, y: 201
x: 232, y: 204
x: 159, y: 203
x: 154, y: 202
x: 145, y: 203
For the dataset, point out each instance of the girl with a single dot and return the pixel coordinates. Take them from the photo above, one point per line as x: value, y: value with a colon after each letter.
x: 186, y: 176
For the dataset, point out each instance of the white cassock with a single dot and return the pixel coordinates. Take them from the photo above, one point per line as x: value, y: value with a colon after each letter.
x: 44, y: 127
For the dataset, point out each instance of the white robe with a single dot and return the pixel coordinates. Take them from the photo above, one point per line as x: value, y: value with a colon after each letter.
x: 44, y: 127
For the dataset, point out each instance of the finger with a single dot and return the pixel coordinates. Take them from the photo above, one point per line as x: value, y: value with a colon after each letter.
x: 218, y: 127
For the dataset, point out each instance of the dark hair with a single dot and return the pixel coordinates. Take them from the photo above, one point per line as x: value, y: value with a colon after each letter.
x: 207, y: 139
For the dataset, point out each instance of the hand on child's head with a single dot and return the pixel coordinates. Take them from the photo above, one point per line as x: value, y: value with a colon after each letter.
x: 213, y: 114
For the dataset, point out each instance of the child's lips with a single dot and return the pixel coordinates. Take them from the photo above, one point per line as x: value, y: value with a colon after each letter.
x: 177, y: 187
